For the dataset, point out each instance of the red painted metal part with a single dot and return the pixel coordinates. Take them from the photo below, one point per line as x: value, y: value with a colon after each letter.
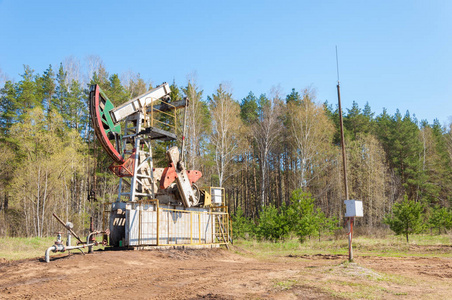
x: 125, y: 169
x: 194, y: 175
x: 99, y: 128
x: 170, y: 174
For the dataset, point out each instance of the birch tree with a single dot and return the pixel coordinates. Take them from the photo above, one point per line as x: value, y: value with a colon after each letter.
x: 226, y: 126
x: 311, y: 134
x: 49, y: 161
x: 72, y: 68
x: 266, y: 132
x: 34, y: 180
x: 198, y: 122
x: 367, y: 173
x: 94, y: 65
x: 3, y: 78
x: 133, y: 84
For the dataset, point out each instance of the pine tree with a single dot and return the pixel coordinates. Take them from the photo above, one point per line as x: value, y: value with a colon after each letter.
x: 357, y: 122
x: 77, y: 107
x: 406, y: 152
x: 248, y: 109
x: 383, y: 130
x: 273, y: 224
x: 407, y: 218
x: 100, y: 77
x: 293, y: 97
x: 400, y: 139
x: 8, y: 105
x: 369, y: 116
x: 46, y: 87
x: 441, y: 218
x: 27, y: 96
x: 443, y: 164
x: 115, y: 91
x: 59, y: 102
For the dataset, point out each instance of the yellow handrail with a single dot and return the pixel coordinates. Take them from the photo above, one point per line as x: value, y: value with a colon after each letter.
x: 172, y: 116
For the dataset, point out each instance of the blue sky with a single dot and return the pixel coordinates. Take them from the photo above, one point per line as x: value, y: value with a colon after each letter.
x: 392, y: 54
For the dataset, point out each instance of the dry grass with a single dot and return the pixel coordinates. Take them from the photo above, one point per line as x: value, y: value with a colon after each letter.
x: 385, y: 266
x: 389, y: 246
x: 22, y: 248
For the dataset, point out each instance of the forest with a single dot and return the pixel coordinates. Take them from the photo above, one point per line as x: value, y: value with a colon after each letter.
x: 263, y: 149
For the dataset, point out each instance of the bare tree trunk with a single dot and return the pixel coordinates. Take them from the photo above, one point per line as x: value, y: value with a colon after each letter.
x: 44, y: 203
x: 255, y: 189
x: 280, y: 195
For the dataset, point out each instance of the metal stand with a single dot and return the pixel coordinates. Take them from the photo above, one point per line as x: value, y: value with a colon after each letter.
x: 350, y: 222
x: 142, y: 181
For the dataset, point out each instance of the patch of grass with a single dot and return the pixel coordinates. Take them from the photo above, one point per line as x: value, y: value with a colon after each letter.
x: 356, y: 290
x: 19, y: 248
x: 353, y: 281
x: 291, y: 246
x: 285, y: 284
x: 22, y: 248
x: 400, y: 294
x: 390, y: 246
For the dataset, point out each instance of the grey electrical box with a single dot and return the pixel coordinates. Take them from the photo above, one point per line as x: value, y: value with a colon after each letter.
x: 217, y: 195
x: 353, y: 208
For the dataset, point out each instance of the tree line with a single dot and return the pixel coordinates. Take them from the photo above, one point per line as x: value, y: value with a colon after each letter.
x: 260, y: 148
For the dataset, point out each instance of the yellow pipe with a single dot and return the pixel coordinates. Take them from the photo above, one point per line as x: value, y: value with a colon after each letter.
x: 158, y: 223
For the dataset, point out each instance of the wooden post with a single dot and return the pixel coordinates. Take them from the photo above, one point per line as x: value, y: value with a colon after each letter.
x: 350, y: 221
x: 344, y: 163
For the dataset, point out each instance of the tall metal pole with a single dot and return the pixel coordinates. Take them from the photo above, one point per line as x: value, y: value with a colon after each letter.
x: 183, y: 131
x: 344, y: 162
x: 344, y: 158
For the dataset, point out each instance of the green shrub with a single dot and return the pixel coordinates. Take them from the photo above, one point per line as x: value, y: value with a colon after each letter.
x: 407, y: 218
x: 304, y: 218
x: 273, y: 224
x: 440, y: 218
x: 242, y: 227
x: 325, y: 224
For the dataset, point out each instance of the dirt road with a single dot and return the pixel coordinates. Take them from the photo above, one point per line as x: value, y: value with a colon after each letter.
x: 222, y: 274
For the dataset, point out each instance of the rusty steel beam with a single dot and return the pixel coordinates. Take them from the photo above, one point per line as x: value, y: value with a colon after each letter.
x: 69, y: 229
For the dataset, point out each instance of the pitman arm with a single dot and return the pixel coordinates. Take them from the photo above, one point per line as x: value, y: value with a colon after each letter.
x: 182, y: 178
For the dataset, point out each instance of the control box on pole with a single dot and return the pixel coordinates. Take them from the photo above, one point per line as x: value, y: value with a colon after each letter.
x: 353, y: 208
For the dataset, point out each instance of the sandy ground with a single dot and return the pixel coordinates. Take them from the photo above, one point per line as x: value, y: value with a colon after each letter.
x: 223, y: 274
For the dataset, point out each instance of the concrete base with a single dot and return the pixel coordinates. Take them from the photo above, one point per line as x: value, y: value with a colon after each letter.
x: 175, y: 247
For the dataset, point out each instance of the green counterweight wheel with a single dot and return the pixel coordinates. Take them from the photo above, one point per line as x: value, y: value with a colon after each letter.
x: 106, y: 131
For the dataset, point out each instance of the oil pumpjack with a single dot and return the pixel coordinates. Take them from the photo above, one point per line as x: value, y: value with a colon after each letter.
x: 173, y: 184
x: 125, y: 133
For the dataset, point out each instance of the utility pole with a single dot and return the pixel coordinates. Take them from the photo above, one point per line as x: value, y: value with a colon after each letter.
x: 344, y: 162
